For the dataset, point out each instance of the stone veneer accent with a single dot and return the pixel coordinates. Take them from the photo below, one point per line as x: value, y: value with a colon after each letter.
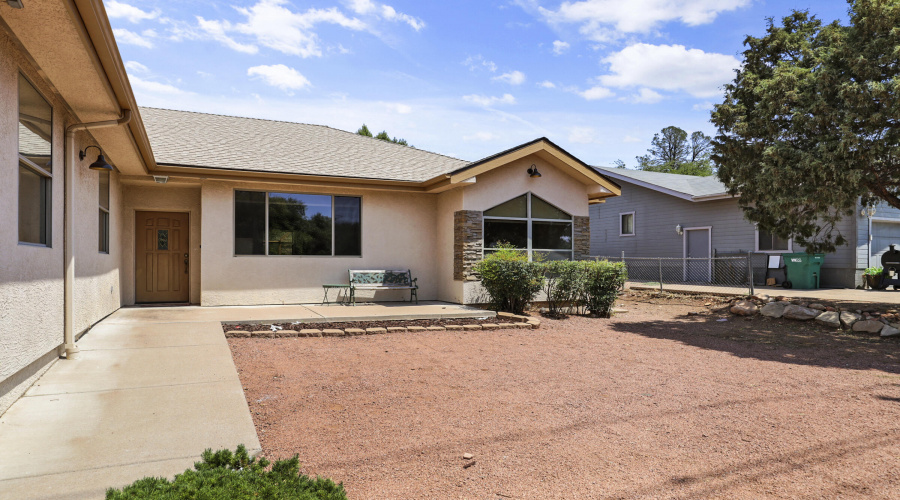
x: 468, y: 243
x: 581, y: 228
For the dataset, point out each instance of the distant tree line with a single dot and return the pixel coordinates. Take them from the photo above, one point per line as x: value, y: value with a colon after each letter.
x: 383, y: 135
x: 673, y: 151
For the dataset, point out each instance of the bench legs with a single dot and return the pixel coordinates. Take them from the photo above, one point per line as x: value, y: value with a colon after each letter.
x: 414, y: 292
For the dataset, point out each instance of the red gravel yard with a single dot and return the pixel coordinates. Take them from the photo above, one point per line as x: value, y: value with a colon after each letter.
x: 655, y: 403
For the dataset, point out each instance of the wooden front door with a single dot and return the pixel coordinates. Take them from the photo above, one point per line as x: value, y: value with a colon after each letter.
x: 162, y: 257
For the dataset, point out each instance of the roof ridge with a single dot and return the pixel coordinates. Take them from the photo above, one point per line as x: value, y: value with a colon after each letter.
x: 307, y: 124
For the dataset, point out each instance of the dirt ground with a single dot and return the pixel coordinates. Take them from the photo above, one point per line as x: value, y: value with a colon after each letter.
x: 654, y: 403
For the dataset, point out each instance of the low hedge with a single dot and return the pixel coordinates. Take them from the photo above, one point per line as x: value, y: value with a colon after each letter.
x: 224, y: 475
x: 512, y: 282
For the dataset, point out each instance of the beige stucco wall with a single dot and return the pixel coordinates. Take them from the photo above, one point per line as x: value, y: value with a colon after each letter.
x: 31, y: 276
x: 448, y: 203
x: 170, y: 197
x: 398, y: 232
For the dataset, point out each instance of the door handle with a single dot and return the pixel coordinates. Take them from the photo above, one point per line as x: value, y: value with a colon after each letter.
x: 186, y: 263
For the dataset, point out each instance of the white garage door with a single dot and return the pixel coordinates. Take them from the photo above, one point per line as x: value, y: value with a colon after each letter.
x: 883, y: 235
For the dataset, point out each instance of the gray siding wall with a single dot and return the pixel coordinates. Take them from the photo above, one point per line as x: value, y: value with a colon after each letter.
x: 882, y: 211
x: 656, y: 215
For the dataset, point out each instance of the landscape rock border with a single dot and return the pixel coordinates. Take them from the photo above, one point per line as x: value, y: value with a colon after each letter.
x: 523, y: 322
x: 864, y: 320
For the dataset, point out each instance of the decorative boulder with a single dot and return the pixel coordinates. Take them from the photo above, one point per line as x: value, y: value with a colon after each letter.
x: 744, y: 308
x: 817, y: 306
x: 799, y: 313
x: 829, y: 318
x: 889, y: 331
x: 848, y: 319
x: 773, y: 309
x: 868, y: 326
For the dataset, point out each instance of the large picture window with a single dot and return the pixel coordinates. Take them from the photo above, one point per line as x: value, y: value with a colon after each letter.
x: 532, y: 224
x: 35, y: 165
x: 270, y: 223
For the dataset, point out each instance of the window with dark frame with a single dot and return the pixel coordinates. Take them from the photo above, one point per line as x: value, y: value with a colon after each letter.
x: 103, y: 225
x: 273, y: 223
x: 626, y: 227
x: 769, y: 242
x: 35, y: 165
x: 530, y: 223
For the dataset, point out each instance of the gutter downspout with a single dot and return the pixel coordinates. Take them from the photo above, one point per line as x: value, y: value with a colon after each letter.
x: 71, y: 350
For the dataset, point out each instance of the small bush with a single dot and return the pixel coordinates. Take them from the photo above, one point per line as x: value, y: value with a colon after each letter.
x: 564, y: 284
x: 224, y: 475
x: 509, y: 279
x: 602, y: 282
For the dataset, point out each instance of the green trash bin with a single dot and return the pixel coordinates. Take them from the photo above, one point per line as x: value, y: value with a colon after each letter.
x: 803, y: 270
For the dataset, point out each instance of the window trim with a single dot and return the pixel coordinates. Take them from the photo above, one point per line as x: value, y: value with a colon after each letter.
x: 105, y: 229
x: 528, y: 220
x: 633, y: 225
x: 37, y: 169
x: 266, y: 246
x: 790, y: 247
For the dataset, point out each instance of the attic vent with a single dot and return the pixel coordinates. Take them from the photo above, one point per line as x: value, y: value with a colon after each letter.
x: 160, y: 179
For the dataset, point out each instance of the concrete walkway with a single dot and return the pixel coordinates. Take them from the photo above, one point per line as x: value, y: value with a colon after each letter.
x: 145, y: 398
x: 153, y: 387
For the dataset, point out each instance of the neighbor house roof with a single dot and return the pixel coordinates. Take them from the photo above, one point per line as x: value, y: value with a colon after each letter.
x: 188, y: 139
x: 688, y: 187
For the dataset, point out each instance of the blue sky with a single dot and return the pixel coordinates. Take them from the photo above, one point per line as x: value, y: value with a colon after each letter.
x: 463, y: 78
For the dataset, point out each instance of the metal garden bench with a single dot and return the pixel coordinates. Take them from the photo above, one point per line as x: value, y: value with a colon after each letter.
x: 383, y: 279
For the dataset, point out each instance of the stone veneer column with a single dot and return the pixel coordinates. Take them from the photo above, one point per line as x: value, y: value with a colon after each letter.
x: 582, y: 233
x: 467, y: 243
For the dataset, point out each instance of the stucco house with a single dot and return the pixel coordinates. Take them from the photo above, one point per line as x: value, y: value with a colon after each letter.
x: 217, y: 210
x: 642, y: 222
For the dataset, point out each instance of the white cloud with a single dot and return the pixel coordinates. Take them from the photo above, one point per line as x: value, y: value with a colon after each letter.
x: 489, y: 101
x: 547, y: 84
x: 119, y: 10
x: 280, y: 76
x: 706, y: 106
x: 362, y: 7
x: 216, y: 30
x: 559, y: 47
x: 132, y: 38
x: 403, y: 109
x: 480, y: 136
x: 478, y: 62
x: 390, y: 14
x: 646, y: 96
x: 136, y: 67
x: 605, y: 20
x: 629, y: 138
x: 670, y: 67
x: 595, y: 93
x: 145, y: 86
x: 512, y: 78
x: 582, y: 135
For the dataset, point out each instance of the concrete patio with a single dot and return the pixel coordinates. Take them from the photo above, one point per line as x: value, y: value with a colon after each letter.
x: 151, y: 389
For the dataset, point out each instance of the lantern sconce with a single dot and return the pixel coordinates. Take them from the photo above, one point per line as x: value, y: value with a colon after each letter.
x: 533, y: 171
x: 679, y: 230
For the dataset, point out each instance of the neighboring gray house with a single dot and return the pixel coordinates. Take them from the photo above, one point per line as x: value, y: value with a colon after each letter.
x: 646, y: 219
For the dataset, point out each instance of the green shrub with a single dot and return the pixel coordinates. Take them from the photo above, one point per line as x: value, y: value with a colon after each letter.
x: 225, y: 475
x: 564, y: 284
x: 602, y: 282
x: 873, y: 271
x: 509, y: 279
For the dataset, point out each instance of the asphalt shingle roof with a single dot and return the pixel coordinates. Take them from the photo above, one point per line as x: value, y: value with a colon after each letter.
x: 690, y: 185
x: 187, y: 138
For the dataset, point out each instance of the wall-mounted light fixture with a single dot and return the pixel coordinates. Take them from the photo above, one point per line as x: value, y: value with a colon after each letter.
x: 679, y: 229
x: 100, y: 164
x: 160, y: 179
x: 533, y: 171
x: 16, y: 4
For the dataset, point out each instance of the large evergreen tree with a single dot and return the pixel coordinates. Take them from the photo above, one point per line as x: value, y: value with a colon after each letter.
x: 811, y: 122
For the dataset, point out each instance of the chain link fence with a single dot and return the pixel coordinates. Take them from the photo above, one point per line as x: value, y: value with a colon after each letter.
x: 732, y: 273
